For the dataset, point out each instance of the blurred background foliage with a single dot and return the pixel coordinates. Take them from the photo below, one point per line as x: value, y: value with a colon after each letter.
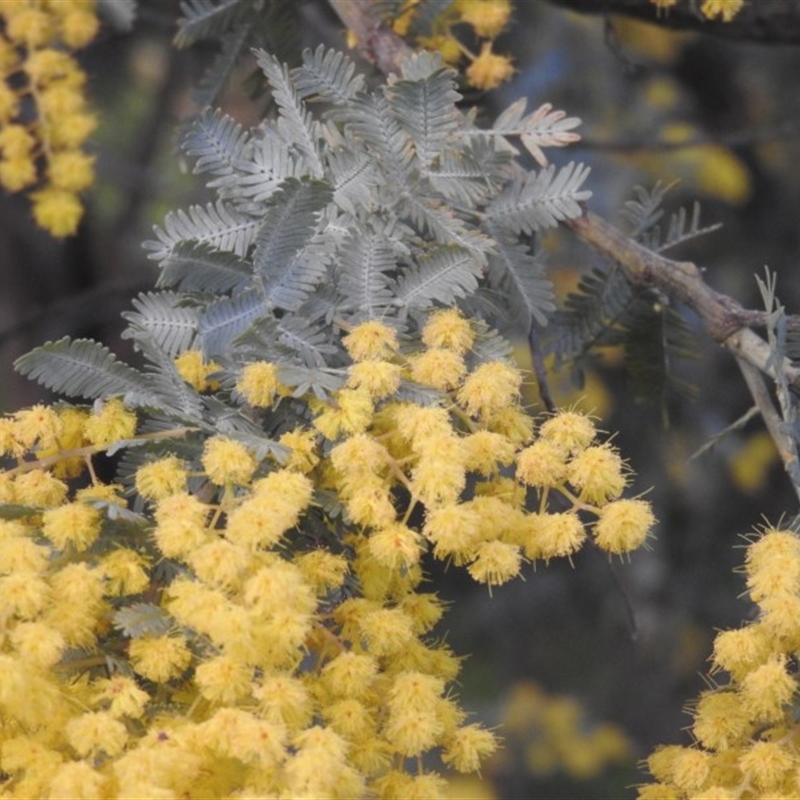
x: 587, y: 666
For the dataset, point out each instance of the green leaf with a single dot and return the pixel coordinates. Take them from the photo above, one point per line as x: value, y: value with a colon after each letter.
x: 440, y: 277
x: 81, y: 368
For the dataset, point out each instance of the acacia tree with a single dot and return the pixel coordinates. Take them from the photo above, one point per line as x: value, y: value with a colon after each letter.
x: 328, y: 404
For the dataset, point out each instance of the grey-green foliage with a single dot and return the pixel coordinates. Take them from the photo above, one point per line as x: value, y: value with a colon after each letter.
x: 347, y: 204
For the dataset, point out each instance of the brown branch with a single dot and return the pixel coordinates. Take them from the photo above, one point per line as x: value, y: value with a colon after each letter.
x: 766, y: 21
x: 725, y: 320
x: 377, y: 43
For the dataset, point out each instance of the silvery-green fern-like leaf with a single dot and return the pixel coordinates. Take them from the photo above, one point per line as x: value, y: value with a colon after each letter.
x: 217, y: 141
x: 424, y: 104
x: 366, y: 262
x: 353, y: 175
x: 170, y: 392
x: 541, y: 128
x: 520, y: 279
x: 322, y: 382
x: 435, y: 219
x: 219, y: 226
x: 462, y: 177
x: 370, y: 119
x: 327, y: 75
x: 173, y: 328
x: 270, y: 161
x: 196, y: 267
x: 142, y: 619
x: 228, y: 318
x: 295, y: 123
x: 286, y: 263
x: 440, y: 277
x: 80, y: 368
x: 541, y: 200
x: 309, y: 341
x: 489, y: 346
x: 204, y: 18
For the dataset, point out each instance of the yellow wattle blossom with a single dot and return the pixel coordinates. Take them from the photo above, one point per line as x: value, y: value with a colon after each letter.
x: 489, y: 70
x: 448, y: 329
x: 57, y: 210
x: 489, y: 388
x: 162, y: 478
x: 371, y: 340
x: 74, y: 524
x: 226, y: 461
x: 159, y: 658
x: 488, y: 18
x: 110, y: 423
x: 259, y: 383
x: 193, y: 368
x: 727, y: 9
x: 623, y: 526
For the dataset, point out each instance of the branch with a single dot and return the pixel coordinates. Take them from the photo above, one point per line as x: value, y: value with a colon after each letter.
x: 377, y: 43
x: 724, y: 320
x: 766, y: 21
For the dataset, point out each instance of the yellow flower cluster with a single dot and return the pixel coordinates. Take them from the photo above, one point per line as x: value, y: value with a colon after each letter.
x: 285, y: 648
x: 746, y: 730
x: 486, y: 18
x: 710, y: 9
x: 39, y: 73
x: 550, y: 733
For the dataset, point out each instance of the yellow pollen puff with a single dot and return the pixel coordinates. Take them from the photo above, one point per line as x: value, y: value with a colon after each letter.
x: 44, y: 66
x: 740, y: 651
x: 690, y: 769
x: 322, y: 570
x: 468, y: 747
x: 623, y: 525
x: 767, y: 690
x: 448, y: 329
x: 259, y: 383
x: 96, y: 732
x: 378, y: 378
x: 496, y: 563
x: 727, y: 9
x: 160, y: 479
x: 71, y: 170
x: 223, y: 679
x: 75, y: 524
x: 438, y: 367
x: 554, y: 535
x: 111, y: 423
x: 439, y: 476
x: 370, y: 340
x: 350, y: 674
x: 69, y: 129
x: 30, y: 26
x: 57, y: 211
x: 39, y: 488
x: 180, y: 525
x: 21, y: 554
x: 219, y: 563
x: 569, y: 430
x: 773, y: 548
x: 489, y: 388
x: 303, y: 444
x: 16, y: 141
x: 487, y: 17
x: 396, y: 546
x: 768, y: 764
x: 411, y: 732
x: 38, y: 643
x: 351, y: 412
x: 38, y: 423
x: 125, y: 572
x: 484, y: 450
x: 597, y: 474
x: 541, y: 465
x: 161, y: 658
x: 489, y: 70
x: 122, y: 694
x: 454, y: 530
x: 386, y: 630
x: 720, y: 722
x: 78, y: 28
x: 195, y: 370
x: 17, y: 172
x: 226, y: 461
